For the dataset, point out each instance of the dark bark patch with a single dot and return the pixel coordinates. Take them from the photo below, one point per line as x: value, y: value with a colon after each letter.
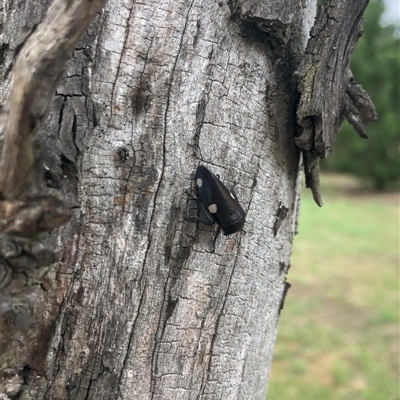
x: 123, y: 155
x: 25, y: 373
x: 69, y: 169
x: 284, y: 294
x: 200, y: 115
x: 171, y: 304
x: 271, y: 17
x: 4, y: 48
x: 142, y: 95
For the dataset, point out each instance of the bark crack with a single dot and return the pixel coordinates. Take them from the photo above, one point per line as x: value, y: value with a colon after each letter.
x: 208, y: 369
x: 130, y: 340
x: 157, y: 339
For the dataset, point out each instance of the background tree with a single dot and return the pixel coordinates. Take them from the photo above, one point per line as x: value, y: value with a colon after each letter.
x: 376, y: 65
x: 136, y: 303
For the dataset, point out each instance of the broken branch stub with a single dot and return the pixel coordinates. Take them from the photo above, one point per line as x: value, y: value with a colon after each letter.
x: 328, y: 93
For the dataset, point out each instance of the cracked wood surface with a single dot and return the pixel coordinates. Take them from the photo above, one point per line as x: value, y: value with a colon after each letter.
x: 137, y: 306
x: 40, y: 60
x: 27, y: 210
x: 40, y: 56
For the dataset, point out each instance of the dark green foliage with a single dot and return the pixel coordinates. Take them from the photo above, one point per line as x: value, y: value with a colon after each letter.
x: 375, y: 65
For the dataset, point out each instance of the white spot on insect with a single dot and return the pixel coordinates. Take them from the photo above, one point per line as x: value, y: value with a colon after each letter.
x: 212, y: 208
x: 199, y: 182
x: 233, y: 197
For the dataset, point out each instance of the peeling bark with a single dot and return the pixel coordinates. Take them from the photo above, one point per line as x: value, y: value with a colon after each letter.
x: 328, y: 93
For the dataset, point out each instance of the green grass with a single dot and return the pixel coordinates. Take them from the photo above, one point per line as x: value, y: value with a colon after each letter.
x: 339, y: 331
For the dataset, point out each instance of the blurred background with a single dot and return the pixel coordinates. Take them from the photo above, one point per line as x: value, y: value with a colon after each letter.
x: 339, y: 330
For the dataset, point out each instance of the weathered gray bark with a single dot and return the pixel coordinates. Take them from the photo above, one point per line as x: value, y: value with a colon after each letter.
x: 136, y: 305
x: 328, y: 91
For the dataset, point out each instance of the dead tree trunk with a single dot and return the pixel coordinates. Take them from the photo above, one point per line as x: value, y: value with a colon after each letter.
x: 136, y: 304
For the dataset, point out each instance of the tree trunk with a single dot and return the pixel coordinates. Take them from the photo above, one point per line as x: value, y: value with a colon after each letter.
x: 137, y: 304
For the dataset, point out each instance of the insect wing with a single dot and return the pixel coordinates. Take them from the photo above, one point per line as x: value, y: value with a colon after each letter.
x: 216, y: 197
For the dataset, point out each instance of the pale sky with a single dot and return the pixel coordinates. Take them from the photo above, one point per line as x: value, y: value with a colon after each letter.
x: 392, y: 13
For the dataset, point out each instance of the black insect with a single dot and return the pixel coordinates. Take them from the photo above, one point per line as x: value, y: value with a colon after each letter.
x: 219, y: 204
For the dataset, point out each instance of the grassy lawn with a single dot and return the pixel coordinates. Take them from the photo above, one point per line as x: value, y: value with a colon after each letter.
x: 339, y: 331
